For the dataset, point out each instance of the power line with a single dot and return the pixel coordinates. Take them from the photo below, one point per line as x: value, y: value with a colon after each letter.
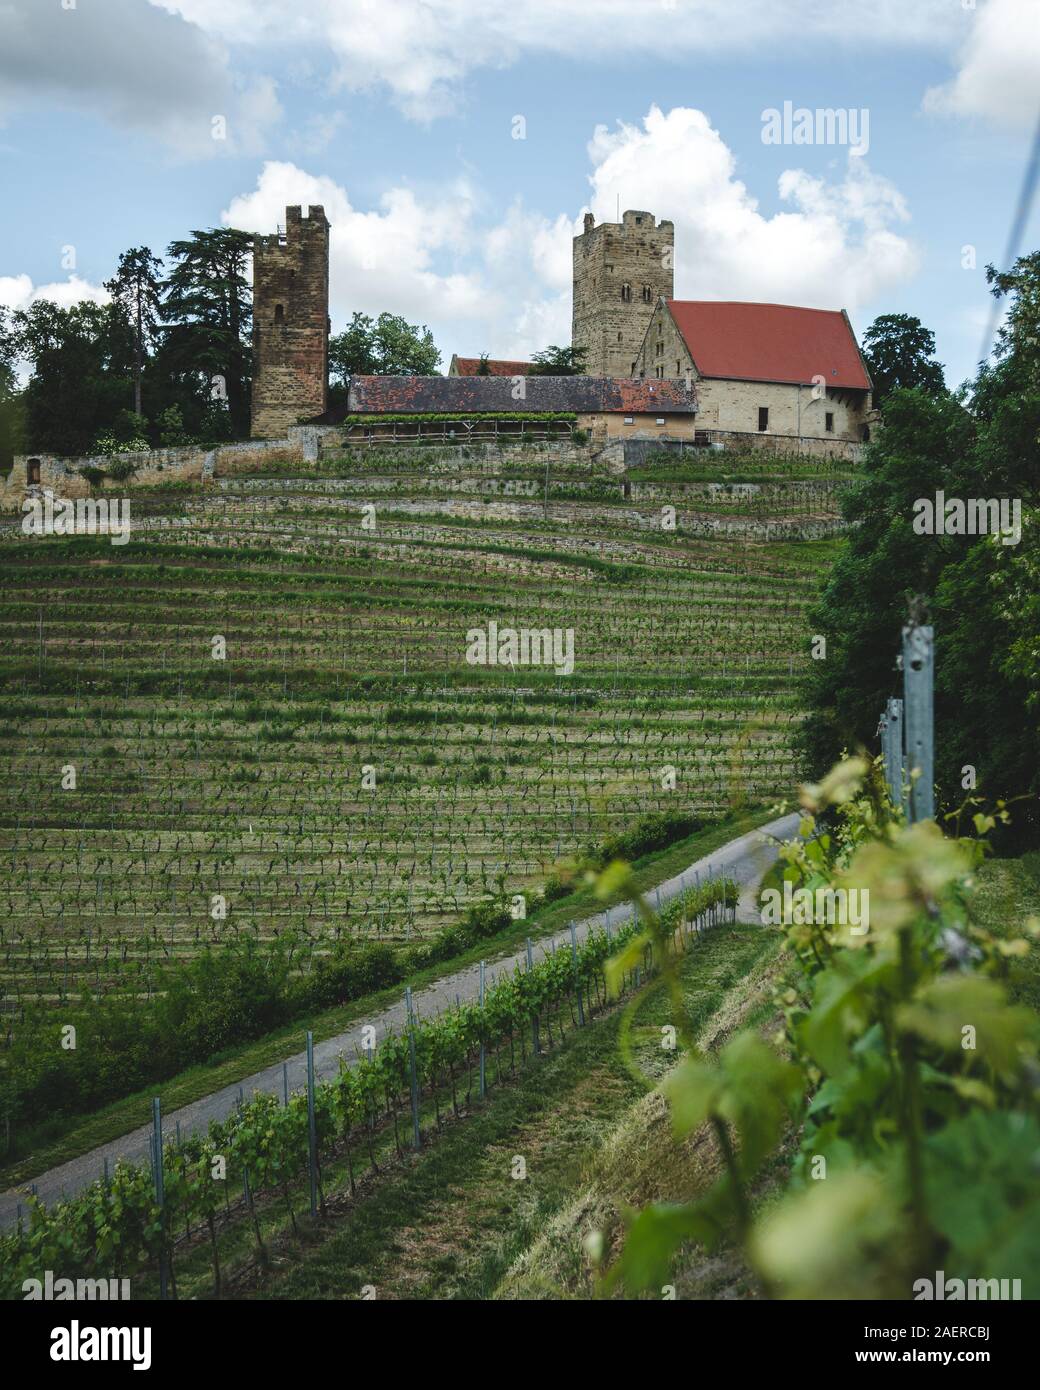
x: 1018, y: 226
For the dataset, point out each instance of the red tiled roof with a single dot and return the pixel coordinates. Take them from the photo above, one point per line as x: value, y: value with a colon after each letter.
x: 470, y: 366
x: 770, y: 342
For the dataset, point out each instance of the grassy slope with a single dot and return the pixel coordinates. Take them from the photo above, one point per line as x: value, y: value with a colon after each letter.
x: 1009, y: 893
x: 452, y: 1224
x: 641, y: 1161
x: 56, y: 1140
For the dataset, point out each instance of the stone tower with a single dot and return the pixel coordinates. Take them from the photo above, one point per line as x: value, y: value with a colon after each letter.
x: 290, y: 323
x: 621, y: 269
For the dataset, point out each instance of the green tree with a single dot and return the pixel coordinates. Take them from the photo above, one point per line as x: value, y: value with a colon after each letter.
x: 386, y: 346
x: 11, y: 406
x: 558, y: 361
x: 207, y: 313
x: 135, y: 288
x: 80, y: 357
x: 8, y: 353
x: 976, y: 589
x: 351, y: 352
x: 170, y: 424
x: 900, y: 352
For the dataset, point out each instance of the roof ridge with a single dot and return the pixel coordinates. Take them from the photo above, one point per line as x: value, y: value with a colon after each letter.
x: 758, y: 304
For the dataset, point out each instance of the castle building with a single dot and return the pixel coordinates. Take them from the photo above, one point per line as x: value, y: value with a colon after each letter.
x: 769, y: 369
x: 290, y: 323
x: 621, y: 270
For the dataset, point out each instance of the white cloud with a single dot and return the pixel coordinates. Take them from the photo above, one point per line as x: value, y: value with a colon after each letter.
x: 999, y: 74
x: 422, y: 50
x: 504, y: 286
x: 18, y: 291
x: 380, y: 258
x: 835, y: 248
x: 427, y: 258
x: 137, y: 66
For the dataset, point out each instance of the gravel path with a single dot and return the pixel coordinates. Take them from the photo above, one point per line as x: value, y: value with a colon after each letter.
x: 744, y: 860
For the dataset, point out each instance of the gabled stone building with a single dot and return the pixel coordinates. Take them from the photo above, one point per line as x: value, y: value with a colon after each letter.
x: 768, y: 369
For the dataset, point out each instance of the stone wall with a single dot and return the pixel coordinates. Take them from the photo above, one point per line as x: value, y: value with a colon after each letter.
x: 291, y: 323
x: 810, y: 445
x: 155, y: 467
x: 605, y: 427
x: 621, y: 270
x: 734, y: 406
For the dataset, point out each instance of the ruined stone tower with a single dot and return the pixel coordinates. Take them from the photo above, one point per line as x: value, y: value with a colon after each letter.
x: 620, y: 271
x: 290, y: 323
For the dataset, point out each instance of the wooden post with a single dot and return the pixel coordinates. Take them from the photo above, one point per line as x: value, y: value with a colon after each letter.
x: 577, y: 982
x: 312, y: 1131
x: 483, y: 1057
x: 160, y: 1195
x: 411, y: 1067
x: 535, y: 1040
x: 918, y: 690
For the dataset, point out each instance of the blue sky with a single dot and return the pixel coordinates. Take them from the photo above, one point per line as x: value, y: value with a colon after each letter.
x: 400, y: 117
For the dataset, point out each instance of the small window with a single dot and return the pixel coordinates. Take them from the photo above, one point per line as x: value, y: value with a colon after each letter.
x: 828, y: 422
x: 660, y: 420
x: 626, y: 293
x: 279, y: 313
x: 32, y: 470
x: 763, y: 417
x: 639, y: 221
x: 678, y: 371
x: 629, y: 420
x: 866, y: 434
x: 648, y: 294
x: 619, y: 337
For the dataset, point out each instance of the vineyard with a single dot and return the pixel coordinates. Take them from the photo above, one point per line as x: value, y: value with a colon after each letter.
x: 257, y: 722
x: 118, y: 1229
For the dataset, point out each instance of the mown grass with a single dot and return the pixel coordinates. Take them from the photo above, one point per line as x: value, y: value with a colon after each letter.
x: 1007, y: 895
x: 452, y: 1223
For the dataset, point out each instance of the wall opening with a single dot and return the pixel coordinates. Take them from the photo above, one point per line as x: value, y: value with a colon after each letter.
x: 763, y: 417
x: 279, y: 313
x: 32, y: 470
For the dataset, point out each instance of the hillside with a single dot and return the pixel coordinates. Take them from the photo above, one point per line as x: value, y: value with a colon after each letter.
x: 344, y: 774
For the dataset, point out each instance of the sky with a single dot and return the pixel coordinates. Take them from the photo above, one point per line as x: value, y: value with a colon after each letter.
x: 456, y: 144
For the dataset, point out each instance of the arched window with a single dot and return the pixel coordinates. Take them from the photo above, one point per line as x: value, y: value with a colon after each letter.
x: 626, y: 293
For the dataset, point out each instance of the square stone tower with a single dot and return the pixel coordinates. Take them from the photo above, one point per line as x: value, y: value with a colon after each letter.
x: 621, y: 269
x: 290, y: 323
